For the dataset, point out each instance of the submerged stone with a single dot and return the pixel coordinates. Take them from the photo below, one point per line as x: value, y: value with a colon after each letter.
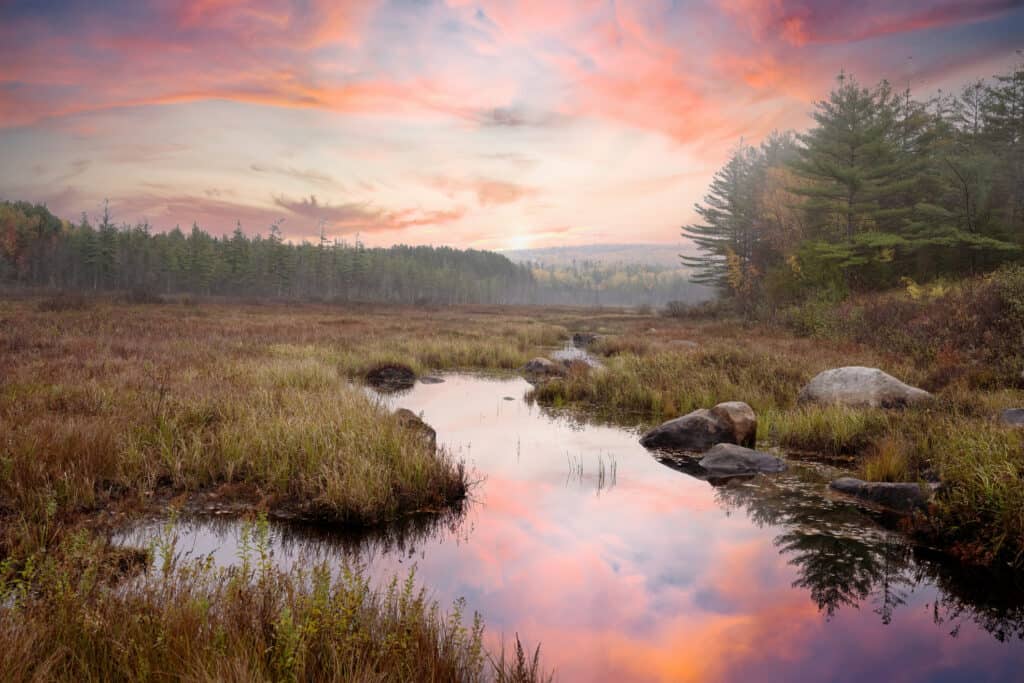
x: 728, y: 459
x: 900, y: 496
x: 391, y: 376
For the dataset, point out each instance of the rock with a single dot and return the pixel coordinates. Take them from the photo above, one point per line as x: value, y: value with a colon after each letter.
x: 544, y: 367
x: 859, y: 386
x: 412, y: 421
x: 686, y: 343
x: 431, y: 380
x: 391, y: 376
x: 733, y: 422
x: 1012, y: 417
x: 900, y: 496
x: 741, y: 419
x: 583, y: 339
x: 728, y: 459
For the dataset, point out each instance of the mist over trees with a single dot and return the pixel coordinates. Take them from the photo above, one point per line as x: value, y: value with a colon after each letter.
x: 38, y: 249
x: 883, y: 189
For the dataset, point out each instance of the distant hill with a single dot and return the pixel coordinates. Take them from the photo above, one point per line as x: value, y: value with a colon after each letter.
x: 662, y: 255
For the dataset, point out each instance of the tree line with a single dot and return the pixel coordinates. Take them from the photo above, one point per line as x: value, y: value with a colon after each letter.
x: 38, y: 249
x: 596, y: 283
x: 881, y: 189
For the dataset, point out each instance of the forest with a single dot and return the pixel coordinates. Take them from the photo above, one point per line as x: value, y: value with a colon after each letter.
x: 883, y: 190
x: 38, y: 249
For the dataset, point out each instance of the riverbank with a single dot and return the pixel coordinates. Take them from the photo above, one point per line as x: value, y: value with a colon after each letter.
x: 108, y: 409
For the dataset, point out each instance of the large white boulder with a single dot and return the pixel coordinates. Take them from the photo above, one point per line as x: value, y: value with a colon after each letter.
x: 861, y: 387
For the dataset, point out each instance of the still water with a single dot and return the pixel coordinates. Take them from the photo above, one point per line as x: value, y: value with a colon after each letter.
x: 625, y: 569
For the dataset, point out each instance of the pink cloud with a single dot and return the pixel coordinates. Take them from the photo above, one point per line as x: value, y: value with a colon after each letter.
x: 803, y: 22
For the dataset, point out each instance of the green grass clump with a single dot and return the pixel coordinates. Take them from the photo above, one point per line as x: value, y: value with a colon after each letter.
x: 981, y: 510
x: 827, y: 430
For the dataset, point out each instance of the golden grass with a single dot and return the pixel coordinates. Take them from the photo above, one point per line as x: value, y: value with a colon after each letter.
x: 250, y: 622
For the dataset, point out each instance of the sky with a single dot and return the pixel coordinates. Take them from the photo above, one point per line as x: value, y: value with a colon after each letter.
x: 490, y: 124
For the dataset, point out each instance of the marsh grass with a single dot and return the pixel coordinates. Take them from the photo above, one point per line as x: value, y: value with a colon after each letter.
x: 955, y: 439
x: 666, y: 383
x: 887, y: 460
x: 125, y: 401
x: 70, y: 617
x: 825, y: 430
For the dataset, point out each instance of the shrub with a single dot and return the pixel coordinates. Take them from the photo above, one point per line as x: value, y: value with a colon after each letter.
x: 64, y: 301
x: 142, y: 295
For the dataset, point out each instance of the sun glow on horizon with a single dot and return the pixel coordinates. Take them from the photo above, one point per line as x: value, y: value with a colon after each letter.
x: 440, y: 122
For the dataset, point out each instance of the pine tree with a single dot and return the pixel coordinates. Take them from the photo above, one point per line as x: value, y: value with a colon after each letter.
x: 1004, y: 123
x: 847, y: 160
x: 727, y: 238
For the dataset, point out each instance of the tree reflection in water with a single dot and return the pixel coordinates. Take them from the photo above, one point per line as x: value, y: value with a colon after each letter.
x: 844, y: 557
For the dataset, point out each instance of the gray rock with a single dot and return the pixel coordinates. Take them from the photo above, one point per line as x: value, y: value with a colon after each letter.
x: 685, y: 343
x: 570, y: 354
x: 431, y: 380
x: 1012, y: 417
x: 411, y: 421
x: 543, y: 367
x: 899, y: 496
x: 733, y: 422
x: 728, y: 459
x: 584, y: 339
x: 861, y: 387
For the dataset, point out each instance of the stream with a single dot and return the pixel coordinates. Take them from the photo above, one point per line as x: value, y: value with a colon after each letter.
x: 625, y: 569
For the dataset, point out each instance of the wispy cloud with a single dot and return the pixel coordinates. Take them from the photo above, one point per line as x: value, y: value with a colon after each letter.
x: 364, y: 217
x: 460, y: 120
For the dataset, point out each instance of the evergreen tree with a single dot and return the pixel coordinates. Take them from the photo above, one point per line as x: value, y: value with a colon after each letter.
x: 847, y: 159
x: 727, y: 238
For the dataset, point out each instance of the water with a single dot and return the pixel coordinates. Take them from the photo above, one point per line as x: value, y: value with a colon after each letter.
x: 626, y: 569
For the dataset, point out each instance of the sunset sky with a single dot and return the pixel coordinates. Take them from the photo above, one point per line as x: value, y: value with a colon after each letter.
x: 475, y: 123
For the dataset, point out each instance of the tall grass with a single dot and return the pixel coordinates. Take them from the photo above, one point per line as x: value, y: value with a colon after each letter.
x: 68, y: 618
x: 666, y: 383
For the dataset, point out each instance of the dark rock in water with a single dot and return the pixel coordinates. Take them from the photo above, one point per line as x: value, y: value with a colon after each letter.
x: 728, y: 459
x: 860, y: 386
x: 584, y: 339
x: 391, y: 376
x: 732, y: 422
x: 899, y: 496
x: 414, y: 422
x: 543, y: 367
x: 1012, y: 417
x: 431, y: 380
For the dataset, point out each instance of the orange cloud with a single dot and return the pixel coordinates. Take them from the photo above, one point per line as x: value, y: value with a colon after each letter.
x: 488, y: 191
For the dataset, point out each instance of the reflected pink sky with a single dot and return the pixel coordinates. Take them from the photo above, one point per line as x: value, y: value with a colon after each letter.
x: 648, y: 578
